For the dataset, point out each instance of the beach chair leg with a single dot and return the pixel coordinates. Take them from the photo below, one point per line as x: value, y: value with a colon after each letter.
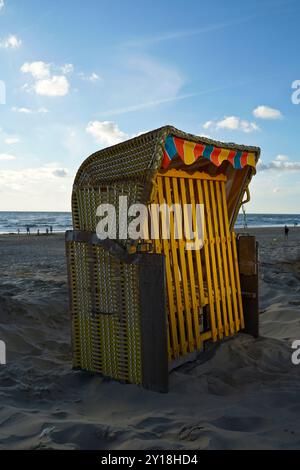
x: 248, y: 267
x: 153, y: 323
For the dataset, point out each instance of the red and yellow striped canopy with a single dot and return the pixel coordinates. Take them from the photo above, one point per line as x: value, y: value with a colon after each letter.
x: 189, y: 152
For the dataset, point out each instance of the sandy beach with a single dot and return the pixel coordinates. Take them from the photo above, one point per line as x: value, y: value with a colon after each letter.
x: 242, y: 394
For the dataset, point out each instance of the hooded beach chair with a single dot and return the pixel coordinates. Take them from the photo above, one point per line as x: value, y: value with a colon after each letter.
x: 140, y: 307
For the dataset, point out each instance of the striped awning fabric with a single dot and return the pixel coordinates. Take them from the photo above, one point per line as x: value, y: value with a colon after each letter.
x: 189, y: 152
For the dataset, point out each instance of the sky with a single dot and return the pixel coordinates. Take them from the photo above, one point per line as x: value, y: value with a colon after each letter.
x: 78, y: 76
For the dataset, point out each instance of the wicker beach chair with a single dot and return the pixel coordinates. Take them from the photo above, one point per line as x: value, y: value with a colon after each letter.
x: 142, y: 307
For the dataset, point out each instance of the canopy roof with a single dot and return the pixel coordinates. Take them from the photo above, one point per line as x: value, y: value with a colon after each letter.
x: 154, y: 150
x: 189, y: 152
x: 140, y: 158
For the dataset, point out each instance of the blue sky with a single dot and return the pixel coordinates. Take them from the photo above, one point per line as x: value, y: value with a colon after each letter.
x: 80, y: 76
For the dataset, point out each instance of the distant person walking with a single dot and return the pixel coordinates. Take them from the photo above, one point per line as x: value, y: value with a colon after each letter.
x: 38, y: 232
x: 18, y: 231
x: 51, y: 229
x: 47, y: 231
x: 28, y: 230
x: 286, y: 231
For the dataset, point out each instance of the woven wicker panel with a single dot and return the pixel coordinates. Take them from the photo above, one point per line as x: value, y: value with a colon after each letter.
x: 126, y: 160
x: 88, y: 199
x: 105, y: 313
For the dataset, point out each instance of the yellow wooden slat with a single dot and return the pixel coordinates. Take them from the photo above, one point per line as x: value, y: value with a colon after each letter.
x: 206, y: 336
x: 175, y: 269
x: 224, y: 256
x: 219, y: 257
x: 157, y: 248
x: 208, y: 269
x: 199, y: 273
x: 211, y: 240
x: 193, y: 196
x: 154, y: 217
x: 230, y: 260
x: 189, y: 256
x: 183, y: 267
x: 155, y: 232
x: 169, y: 279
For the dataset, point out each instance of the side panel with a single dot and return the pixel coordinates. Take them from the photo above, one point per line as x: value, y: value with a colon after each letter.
x: 153, y: 323
x: 248, y: 264
x: 117, y: 304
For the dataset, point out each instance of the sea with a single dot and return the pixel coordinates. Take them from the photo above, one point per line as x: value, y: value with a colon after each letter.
x: 11, y: 222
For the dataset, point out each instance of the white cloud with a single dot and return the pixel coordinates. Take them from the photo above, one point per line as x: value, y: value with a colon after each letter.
x: 42, y: 110
x: 8, y: 139
x: 1, y: 4
x: 93, y: 77
x: 265, y: 112
x: 281, y: 163
x: 12, y: 140
x: 208, y: 124
x: 29, y: 188
x: 23, y: 178
x: 6, y: 157
x: 282, y: 158
x: 10, y: 42
x: 106, y: 132
x: 60, y: 172
x: 26, y: 87
x: 38, y: 69
x: 58, y: 85
x: 67, y: 68
x: 22, y: 110
x: 45, y: 83
x: 29, y: 110
x: 233, y: 123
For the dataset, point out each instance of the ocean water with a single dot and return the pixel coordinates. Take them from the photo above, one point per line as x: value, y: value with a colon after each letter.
x: 11, y: 222
x: 268, y: 220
